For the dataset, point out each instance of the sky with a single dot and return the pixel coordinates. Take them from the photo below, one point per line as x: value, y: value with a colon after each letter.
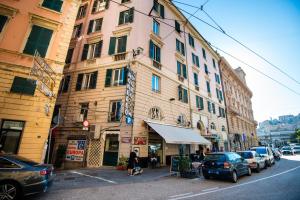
x: 269, y: 27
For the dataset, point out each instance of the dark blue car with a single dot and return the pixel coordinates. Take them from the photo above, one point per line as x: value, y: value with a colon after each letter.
x: 21, y: 177
x: 227, y: 165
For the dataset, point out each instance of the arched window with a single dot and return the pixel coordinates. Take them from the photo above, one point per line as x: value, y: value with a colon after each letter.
x: 155, y: 113
x: 213, y: 126
x: 181, y: 120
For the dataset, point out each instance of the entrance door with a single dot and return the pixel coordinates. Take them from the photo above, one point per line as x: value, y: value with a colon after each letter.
x: 111, y: 150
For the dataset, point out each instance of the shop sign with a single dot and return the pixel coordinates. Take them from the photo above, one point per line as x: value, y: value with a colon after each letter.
x: 44, y: 74
x: 140, y: 140
x: 125, y: 139
x: 129, y: 96
x: 75, y: 150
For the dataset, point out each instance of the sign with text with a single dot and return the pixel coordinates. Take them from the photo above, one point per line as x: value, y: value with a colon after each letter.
x: 75, y: 150
x: 140, y: 140
x: 129, y: 96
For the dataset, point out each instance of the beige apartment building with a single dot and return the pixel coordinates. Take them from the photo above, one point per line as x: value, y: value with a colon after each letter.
x: 242, y: 126
x: 34, y: 39
x: 142, y: 78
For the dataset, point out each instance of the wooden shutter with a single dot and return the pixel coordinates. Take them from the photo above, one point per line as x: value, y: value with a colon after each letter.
x: 121, y: 17
x: 108, y: 77
x: 85, y: 51
x: 124, y: 74
x: 162, y: 11
x: 155, y: 5
x: 178, y: 68
x: 185, y: 96
x: 66, y: 83
x: 131, y: 15
x: 151, y: 50
x: 53, y: 4
x: 213, y: 108
x: 177, y: 26
x: 157, y: 54
x: 98, y: 49
x: 122, y: 44
x: 182, y: 48
x: 79, y: 82
x: 184, y: 71
x: 201, y: 103
x: 197, y: 102
x: 90, y: 28
x: 112, y: 46
x: 23, y: 86
x: 180, y: 93
x: 93, y: 80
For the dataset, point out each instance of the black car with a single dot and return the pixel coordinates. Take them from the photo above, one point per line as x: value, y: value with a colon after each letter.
x: 21, y: 177
x: 225, y: 165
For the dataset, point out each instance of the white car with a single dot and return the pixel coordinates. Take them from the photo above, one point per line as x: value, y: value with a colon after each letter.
x: 255, y: 161
x: 265, y: 152
x: 287, y: 150
x: 297, y: 149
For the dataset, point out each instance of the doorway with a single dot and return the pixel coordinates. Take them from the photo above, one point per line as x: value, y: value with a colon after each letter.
x: 155, y: 146
x: 111, y: 150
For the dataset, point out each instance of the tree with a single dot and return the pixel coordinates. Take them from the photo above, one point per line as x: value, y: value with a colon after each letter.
x: 297, y: 134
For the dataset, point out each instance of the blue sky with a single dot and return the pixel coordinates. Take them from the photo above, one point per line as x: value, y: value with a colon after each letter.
x: 271, y: 28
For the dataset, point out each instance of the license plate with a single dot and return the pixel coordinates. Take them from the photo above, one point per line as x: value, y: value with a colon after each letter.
x: 213, y: 172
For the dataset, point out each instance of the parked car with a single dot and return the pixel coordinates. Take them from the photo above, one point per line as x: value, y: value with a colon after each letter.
x: 228, y: 165
x: 276, y: 154
x: 265, y: 152
x: 256, y: 161
x: 21, y: 177
x: 287, y: 150
x: 297, y: 149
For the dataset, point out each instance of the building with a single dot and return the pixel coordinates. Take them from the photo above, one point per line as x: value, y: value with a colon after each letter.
x: 178, y: 98
x: 34, y: 39
x: 241, y: 124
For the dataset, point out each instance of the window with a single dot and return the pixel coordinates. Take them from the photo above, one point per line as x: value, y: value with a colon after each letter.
x: 206, y: 69
x: 117, y: 45
x: 154, y: 52
x: 38, y: 39
x: 84, y: 109
x: 191, y: 41
x: 64, y: 84
x: 56, y: 115
x: 177, y: 26
x: 126, y: 16
x: 23, y: 86
x: 155, y: 83
x: 209, y: 106
x: 214, y: 63
x: 116, y: 77
x: 222, y: 112
x: 223, y: 128
x: 155, y: 113
x: 81, y: 11
x: 195, y: 60
x: 95, y: 25
x: 77, y: 31
x: 213, y: 108
x: 182, y: 94
x: 180, y: 47
x: 160, y: 9
x: 53, y: 4
x: 5, y: 164
x: 99, y: 5
x: 204, y: 53
x: 217, y: 78
x: 69, y: 56
x: 208, y: 86
x: 86, y: 81
x: 91, y: 51
x: 115, y: 111
x: 213, y: 126
x: 3, y: 20
x: 219, y: 94
x: 155, y: 27
x: 196, y: 82
x: 199, y: 103
x: 10, y: 135
x: 181, y: 69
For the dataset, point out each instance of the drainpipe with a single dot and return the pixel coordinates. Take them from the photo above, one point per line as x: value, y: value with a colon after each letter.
x: 225, y: 103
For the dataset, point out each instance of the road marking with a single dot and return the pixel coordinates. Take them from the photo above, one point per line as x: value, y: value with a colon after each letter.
x: 239, y: 185
x: 209, y: 189
x: 180, y: 195
x: 96, y: 177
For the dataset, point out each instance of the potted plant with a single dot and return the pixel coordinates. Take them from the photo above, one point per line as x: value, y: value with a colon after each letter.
x: 122, y: 164
x: 185, y: 168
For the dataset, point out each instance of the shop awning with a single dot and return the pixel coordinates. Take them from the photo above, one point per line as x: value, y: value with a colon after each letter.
x: 178, y: 135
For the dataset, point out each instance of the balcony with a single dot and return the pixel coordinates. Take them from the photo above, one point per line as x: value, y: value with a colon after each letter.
x: 120, y: 56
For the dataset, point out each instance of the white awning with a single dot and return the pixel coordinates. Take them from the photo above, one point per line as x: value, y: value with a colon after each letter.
x: 178, y: 135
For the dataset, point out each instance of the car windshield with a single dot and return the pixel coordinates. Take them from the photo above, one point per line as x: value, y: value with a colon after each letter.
x: 286, y: 148
x: 25, y: 160
x: 261, y: 150
x: 246, y: 155
x: 215, y: 157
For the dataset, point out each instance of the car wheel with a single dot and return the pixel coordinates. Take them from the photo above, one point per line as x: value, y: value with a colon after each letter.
x: 257, y: 168
x: 269, y: 163
x: 9, y: 191
x: 249, y: 171
x: 234, y: 177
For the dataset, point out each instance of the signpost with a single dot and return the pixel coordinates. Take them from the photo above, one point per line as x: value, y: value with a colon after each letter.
x: 129, y: 96
x: 85, y: 124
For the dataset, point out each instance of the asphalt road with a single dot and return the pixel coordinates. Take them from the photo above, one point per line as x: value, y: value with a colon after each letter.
x: 281, y: 181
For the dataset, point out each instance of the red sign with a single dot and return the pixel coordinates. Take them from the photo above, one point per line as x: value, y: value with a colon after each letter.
x: 125, y: 139
x: 140, y: 140
x: 85, y: 123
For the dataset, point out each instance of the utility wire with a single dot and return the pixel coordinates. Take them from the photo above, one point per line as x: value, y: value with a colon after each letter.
x: 234, y: 39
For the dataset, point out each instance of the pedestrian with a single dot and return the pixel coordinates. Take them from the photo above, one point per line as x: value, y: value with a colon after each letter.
x: 131, y: 163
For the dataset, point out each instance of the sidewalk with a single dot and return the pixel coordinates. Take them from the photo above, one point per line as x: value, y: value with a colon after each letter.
x: 104, y: 176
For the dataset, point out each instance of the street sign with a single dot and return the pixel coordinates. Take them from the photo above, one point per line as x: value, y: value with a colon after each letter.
x: 129, y: 96
x: 85, y: 123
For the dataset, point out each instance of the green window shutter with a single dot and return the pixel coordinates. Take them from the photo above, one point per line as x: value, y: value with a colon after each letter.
x: 197, y: 102
x: 53, y: 4
x: 90, y: 28
x: 124, y: 75
x: 131, y: 15
x: 217, y: 91
x: 221, y: 95
x: 93, y: 80
x: 108, y: 77
x: 178, y: 68
x: 66, y: 83
x: 213, y: 108
x: 157, y: 54
x: 151, y: 50
x: 185, y: 96
x: 98, y: 49
x: 180, y: 93
x: 197, y: 61
x: 220, y: 112
x: 177, y: 45
x: 201, y: 103
x: 23, y: 86
x: 182, y: 49
x: 155, y: 5
x: 162, y: 11
x: 209, y: 106
x: 85, y: 51
x: 196, y: 79
x: 79, y: 82
x: 184, y: 73
x: 177, y: 26
x: 122, y: 44
x: 112, y: 46
x: 121, y: 18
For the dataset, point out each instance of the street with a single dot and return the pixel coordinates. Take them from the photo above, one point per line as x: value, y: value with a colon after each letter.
x: 281, y: 181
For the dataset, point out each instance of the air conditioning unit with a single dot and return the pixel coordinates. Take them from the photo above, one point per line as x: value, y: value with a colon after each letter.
x: 80, y: 118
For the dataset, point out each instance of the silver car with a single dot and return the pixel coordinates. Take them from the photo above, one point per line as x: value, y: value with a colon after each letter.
x: 256, y: 161
x: 287, y: 150
x: 297, y: 149
x: 265, y: 152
